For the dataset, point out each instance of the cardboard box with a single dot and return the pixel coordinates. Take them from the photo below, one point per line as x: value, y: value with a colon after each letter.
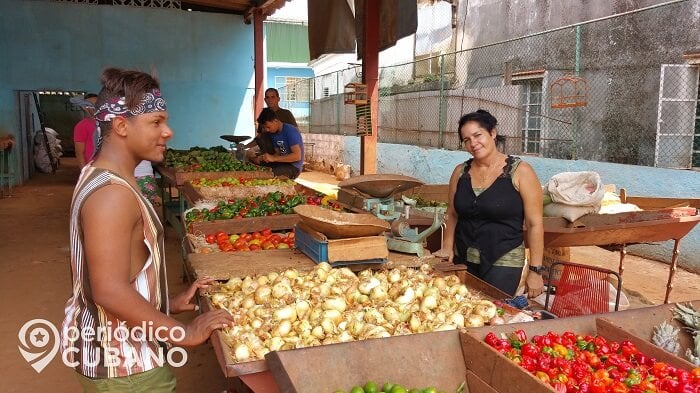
x: 339, y: 252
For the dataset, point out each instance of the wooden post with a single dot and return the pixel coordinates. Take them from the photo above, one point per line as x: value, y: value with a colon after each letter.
x: 370, y: 77
x: 259, y: 61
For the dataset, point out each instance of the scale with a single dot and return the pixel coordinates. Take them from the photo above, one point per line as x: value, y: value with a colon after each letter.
x: 380, y: 197
x: 236, y: 140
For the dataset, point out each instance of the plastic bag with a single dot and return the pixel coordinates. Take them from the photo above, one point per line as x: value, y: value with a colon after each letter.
x: 576, y: 188
x: 570, y: 213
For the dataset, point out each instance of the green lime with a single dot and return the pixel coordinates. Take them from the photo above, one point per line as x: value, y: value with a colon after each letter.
x: 357, y: 389
x: 387, y: 387
x: 430, y: 390
x: 398, y: 389
x: 414, y: 390
x: 371, y: 387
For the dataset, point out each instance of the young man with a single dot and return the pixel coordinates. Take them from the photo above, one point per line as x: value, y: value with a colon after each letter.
x: 288, y: 157
x: 262, y: 140
x: 117, y: 260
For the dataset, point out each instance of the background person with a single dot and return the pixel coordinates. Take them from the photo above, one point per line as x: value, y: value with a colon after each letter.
x: 146, y: 180
x: 117, y: 250
x: 288, y: 157
x: 491, y: 196
x: 262, y: 140
x: 84, y: 130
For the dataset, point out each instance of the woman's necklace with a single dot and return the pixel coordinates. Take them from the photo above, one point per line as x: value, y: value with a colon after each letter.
x: 484, y: 174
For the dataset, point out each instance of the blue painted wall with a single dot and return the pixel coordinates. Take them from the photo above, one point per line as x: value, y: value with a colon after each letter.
x: 434, y: 166
x: 299, y: 109
x: 204, y: 60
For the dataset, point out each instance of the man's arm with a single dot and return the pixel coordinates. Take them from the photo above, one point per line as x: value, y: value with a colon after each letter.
x: 108, y: 219
x: 294, y: 156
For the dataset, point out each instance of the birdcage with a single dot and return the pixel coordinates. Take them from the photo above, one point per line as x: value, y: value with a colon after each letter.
x: 568, y: 91
x: 356, y: 94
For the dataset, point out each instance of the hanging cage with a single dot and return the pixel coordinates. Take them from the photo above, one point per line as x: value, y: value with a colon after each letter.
x: 568, y: 91
x: 356, y: 94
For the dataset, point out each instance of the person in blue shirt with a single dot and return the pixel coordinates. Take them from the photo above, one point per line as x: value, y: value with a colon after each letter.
x: 288, y: 158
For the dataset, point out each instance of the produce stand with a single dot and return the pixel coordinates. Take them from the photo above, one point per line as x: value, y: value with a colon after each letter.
x: 505, y: 376
x: 241, y: 225
x: 193, y: 195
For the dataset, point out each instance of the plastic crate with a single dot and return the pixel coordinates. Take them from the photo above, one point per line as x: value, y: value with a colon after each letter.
x: 318, y: 250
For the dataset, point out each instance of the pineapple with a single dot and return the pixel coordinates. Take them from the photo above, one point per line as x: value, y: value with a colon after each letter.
x: 691, y: 319
x: 666, y: 337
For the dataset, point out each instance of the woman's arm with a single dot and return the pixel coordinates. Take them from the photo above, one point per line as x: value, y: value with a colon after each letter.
x: 531, y: 192
x: 451, y: 217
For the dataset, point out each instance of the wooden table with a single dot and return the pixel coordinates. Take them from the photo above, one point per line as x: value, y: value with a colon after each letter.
x: 624, y: 228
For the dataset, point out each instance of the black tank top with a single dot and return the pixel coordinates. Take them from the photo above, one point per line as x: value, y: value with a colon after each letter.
x: 491, y: 222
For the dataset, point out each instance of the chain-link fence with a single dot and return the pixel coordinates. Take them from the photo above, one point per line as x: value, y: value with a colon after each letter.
x: 614, y: 90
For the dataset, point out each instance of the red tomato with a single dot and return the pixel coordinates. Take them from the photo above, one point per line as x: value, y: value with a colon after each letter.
x: 257, y: 235
x: 254, y: 247
x: 211, y: 239
x: 266, y: 232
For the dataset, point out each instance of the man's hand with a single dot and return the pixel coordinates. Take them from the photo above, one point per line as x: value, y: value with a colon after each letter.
x: 534, y: 284
x: 182, y: 301
x: 199, y: 330
x: 268, y: 157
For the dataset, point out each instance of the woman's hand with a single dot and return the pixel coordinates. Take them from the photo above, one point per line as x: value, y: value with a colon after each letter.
x: 182, y: 301
x: 534, y: 284
x: 444, y: 253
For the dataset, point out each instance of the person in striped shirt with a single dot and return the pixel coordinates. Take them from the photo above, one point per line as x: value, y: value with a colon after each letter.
x: 118, y: 322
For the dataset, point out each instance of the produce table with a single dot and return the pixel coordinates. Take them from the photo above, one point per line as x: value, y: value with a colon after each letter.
x: 624, y: 228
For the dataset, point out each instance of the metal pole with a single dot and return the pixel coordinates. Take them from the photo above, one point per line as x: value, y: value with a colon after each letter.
x: 577, y: 71
x: 441, y: 104
x: 338, y: 100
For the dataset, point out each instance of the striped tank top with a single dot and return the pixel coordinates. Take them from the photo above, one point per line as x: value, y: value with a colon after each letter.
x: 114, y: 349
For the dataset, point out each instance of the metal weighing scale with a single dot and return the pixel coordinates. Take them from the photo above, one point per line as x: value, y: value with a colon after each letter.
x: 380, y: 194
x: 236, y: 140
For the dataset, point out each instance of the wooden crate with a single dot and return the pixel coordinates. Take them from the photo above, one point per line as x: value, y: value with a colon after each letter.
x: 417, y: 360
x: 242, y: 225
x: 430, y: 192
x: 339, y: 250
x: 504, y: 376
x: 179, y: 178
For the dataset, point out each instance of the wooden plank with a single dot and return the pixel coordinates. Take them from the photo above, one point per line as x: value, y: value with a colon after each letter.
x: 262, y: 382
x: 179, y: 178
x: 649, y: 203
x: 242, y: 225
x: 477, y: 385
x: 417, y: 360
x: 430, y: 192
x: 222, y: 266
x: 646, y: 231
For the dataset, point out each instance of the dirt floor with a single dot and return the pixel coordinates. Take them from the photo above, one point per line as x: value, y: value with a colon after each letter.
x: 35, y: 282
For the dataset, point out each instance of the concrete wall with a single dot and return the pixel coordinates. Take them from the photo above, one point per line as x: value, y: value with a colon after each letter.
x: 204, y: 60
x: 621, y: 58
x: 434, y: 166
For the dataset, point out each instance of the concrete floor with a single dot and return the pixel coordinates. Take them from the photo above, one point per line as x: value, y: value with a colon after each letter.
x: 35, y: 282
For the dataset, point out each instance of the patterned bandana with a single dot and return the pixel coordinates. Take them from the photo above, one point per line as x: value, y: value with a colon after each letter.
x: 151, y: 102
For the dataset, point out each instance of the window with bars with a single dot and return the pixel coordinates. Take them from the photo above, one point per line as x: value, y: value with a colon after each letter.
x: 531, y: 115
x: 292, y: 89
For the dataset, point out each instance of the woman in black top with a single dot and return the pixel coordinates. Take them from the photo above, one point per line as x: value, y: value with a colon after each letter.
x: 492, y: 196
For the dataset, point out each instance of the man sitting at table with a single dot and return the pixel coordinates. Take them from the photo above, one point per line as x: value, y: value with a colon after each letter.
x: 288, y: 157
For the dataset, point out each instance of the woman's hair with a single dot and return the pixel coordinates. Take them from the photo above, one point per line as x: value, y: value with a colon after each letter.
x: 130, y: 84
x: 485, y: 121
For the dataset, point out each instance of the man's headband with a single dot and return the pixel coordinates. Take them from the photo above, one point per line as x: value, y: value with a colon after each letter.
x: 151, y: 102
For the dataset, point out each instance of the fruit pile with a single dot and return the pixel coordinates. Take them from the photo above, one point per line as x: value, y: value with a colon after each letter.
x: 263, y: 240
x: 373, y: 387
x: 198, y: 159
x: 573, y: 363
x: 232, y: 181
x: 272, y: 204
